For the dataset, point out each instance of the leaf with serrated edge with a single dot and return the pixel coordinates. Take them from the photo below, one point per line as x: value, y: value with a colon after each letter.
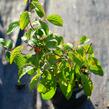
x: 25, y: 70
x: 24, y: 20
x: 55, y: 19
x: 84, y: 39
x: 8, y: 44
x: 34, y: 80
x: 45, y: 27
x: 95, y: 67
x: 12, y: 27
x: 14, y: 53
x: 49, y: 94
x: 20, y: 60
x: 87, y: 84
x: 39, y: 9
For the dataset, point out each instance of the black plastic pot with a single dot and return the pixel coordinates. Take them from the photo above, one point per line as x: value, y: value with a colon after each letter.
x: 60, y: 102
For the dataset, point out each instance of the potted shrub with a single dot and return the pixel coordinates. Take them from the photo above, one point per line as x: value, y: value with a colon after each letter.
x: 55, y: 66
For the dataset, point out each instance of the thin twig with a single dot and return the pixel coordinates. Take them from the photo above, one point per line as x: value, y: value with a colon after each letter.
x: 31, y: 25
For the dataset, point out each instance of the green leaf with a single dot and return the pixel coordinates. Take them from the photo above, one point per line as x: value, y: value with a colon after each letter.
x: 20, y: 60
x: 51, y: 42
x: 80, y: 51
x: 12, y: 27
x: 24, y: 20
x: 52, y: 59
x: 40, y: 32
x: 35, y: 42
x: 68, y: 46
x: 95, y: 67
x: 48, y: 95
x: 77, y: 59
x: 55, y: 19
x: 59, y: 39
x: 44, y: 26
x: 25, y: 1
x: 35, y: 0
x: 14, y: 53
x: 66, y: 89
x: 59, y: 52
x: 84, y: 39
x: 66, y: 82
x: 38, y: 8
x: 34, y: 59
x: 2, y: 41
x: 35, y: 79
x: 47, y: 82
x: 28, y: 35
x: 88, y: 49
x: 8, y: 44
x: 7, y: 56
x: 77, y: 71
x: 87, y: 84
x: 24, y: 70
x: 41, y: 88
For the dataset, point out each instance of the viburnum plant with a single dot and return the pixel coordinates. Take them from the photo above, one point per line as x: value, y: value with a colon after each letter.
x: 50, y: 61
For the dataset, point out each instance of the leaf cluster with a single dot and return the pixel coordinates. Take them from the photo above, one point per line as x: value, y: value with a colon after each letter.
x: 51, y: 62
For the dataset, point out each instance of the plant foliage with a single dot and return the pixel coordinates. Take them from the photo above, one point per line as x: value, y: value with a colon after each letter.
x: 50, y: 61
